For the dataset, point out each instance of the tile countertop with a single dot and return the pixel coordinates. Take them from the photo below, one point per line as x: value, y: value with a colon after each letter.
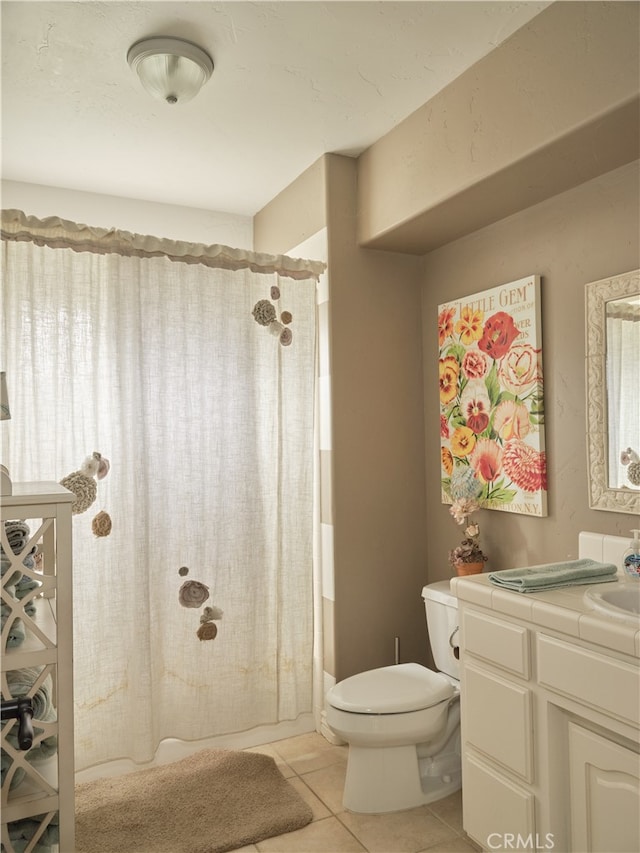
x: 564, y: 610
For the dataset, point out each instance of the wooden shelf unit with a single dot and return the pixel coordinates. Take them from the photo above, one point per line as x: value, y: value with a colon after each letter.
x: 46, y: 792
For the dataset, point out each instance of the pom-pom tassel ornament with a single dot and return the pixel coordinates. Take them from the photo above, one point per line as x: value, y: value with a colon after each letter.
x: 101, y: 524
x: 82, y: 483
x: 83, y: 487
x: 630, y: 457
x: 194, y: 594
x: 207, y: 631
x: 264, y: 313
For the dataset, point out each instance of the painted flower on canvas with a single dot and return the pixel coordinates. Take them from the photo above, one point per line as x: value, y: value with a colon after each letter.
x: 491, y: 400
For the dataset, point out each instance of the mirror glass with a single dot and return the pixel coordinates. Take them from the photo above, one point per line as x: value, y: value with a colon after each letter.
x: 623, y: 392
x: 613, y: 392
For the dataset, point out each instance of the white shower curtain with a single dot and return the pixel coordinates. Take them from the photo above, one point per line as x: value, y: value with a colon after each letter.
x: 207, y: 420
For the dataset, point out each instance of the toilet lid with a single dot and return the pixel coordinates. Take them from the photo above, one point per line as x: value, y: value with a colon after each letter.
x: 390, y: 690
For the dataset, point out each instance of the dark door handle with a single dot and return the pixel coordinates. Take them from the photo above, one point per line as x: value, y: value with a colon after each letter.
x: 21, y: 710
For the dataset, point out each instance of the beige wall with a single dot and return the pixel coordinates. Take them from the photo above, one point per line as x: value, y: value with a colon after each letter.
x: 576, y: 221
x: 579, y: 236
x: 294, y: 215
x: 172, y: 221
x: 554, y: 105
x: 377, y: 455
x: 378, y: 445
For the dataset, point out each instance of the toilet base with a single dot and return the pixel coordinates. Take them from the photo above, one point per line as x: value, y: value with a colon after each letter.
x: 389, y: 779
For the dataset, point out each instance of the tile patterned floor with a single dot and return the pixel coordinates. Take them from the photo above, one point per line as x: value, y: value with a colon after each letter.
x: 316, y: 769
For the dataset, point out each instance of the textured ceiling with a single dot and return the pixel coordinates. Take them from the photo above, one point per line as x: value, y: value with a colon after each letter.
x: 292, y: 81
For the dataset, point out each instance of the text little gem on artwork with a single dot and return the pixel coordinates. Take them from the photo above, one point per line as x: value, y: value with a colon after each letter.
x: 491, y: 399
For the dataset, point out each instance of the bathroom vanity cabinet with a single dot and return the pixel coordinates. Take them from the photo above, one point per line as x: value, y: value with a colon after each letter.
x: 550, y: 721
x: 37, y: 663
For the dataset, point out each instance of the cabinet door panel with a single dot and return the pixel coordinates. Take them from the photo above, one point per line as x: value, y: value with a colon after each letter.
x: 604, y: 793
x: 495, y: 810
x: 498, y: 720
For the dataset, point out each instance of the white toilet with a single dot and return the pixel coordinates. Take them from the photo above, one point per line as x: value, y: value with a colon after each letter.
x: 402, y: 722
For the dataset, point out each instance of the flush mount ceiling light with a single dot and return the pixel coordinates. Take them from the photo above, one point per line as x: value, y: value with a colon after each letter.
x: 170, y: 69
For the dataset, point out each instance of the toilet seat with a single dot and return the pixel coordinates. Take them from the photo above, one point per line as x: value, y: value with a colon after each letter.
x: 391, y: 690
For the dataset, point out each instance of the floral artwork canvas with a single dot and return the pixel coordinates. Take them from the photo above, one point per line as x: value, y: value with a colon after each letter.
x: 491, y: 399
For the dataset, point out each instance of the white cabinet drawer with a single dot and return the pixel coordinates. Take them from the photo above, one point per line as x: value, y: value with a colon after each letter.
x: 497, y: 641
x: 604, y: 683
x: 494, y: 809
x: 497, y: 720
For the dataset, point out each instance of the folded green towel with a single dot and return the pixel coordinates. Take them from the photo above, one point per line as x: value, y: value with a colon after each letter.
x: 25, y: 585
x: 554, y: 575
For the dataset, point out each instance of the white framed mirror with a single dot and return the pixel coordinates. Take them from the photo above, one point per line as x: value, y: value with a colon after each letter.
x: 613, y: 392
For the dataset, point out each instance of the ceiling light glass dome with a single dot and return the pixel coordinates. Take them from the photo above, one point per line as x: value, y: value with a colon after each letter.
x: 171, y: 70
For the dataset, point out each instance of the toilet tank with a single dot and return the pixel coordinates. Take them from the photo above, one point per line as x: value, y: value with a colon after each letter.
x: 441, y: 607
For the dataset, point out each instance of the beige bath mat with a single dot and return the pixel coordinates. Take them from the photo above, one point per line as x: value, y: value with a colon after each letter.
x: 212, y: 801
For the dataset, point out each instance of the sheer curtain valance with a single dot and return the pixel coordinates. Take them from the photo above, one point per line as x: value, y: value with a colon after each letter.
x: 59, y: 233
